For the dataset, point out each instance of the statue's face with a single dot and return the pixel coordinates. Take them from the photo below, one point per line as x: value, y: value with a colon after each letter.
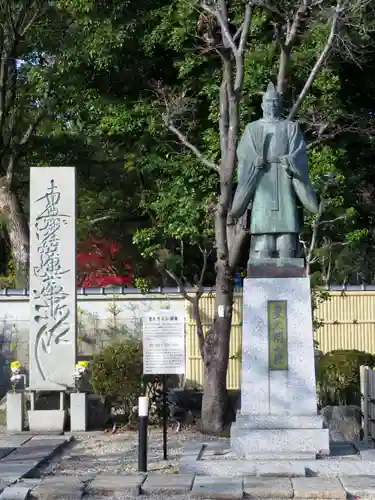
x: 271, y: 108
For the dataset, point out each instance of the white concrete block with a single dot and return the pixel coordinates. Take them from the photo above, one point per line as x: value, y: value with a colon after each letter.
x: 15, y: 411
x: 47, y: 420
x: 78, y: 411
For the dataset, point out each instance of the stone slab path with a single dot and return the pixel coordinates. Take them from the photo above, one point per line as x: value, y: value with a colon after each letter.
x: 21, y: 456
x: 177, y: 487
x: 103, y: 467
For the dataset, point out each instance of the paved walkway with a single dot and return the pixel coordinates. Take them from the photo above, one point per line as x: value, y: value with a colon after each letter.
x: 179, y: 486
x: 22, y: 476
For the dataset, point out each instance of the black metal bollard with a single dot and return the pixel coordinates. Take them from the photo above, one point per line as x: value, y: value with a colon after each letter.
x: 142, y: 433
x: 165, y: 419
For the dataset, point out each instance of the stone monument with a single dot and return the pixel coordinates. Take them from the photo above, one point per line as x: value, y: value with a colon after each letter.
x: 278, y: 417
x: 52, y: 337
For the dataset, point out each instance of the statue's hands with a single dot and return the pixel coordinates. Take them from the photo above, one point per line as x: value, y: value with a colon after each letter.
x: 259, y: 162
x: 289, y: 167
x: 231, y: 220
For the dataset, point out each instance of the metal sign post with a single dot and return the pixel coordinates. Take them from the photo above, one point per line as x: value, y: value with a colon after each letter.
x: 164, y: 353
x: 165, y: 418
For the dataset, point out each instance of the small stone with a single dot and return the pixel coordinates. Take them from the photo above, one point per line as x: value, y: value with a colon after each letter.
x: 267, y: 488
x: 359, y: 486
x: 217, y: 488
x: 174, y: 484
x: 318, y: 487
x: 126, y: 484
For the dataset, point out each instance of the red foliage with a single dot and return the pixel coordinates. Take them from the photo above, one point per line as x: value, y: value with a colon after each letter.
x: 99, y: 265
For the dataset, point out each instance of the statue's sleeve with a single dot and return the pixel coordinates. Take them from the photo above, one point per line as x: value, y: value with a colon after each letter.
x: 248, y: 174
x: 298, y: 157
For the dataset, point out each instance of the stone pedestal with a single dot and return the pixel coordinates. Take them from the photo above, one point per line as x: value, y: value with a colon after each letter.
x: 78, y: 411
x: 15, y: 411
x: 278, y: 415
x: 46, y: 420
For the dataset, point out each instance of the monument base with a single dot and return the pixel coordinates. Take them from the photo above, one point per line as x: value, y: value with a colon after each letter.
x: 43, y: 420
x: 273, y: 437
x: 276, y: 268
x: 217, y: 459
x: 278, y: 418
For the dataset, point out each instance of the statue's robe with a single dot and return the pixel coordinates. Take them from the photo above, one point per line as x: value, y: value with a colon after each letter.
x: 271, y: 192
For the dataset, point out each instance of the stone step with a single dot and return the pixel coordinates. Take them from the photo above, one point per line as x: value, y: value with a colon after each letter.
x: 279, y: 468
x: 278, y: 422
x: 280, y: 456
x: 288, y: 441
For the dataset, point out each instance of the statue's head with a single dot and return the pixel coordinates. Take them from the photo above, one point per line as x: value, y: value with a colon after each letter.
x: 271, y: 102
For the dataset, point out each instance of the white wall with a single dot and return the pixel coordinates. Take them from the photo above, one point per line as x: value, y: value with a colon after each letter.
x: 99, y: 315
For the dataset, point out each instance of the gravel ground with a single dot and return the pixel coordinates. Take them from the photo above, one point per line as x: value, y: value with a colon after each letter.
x: 90, y: 455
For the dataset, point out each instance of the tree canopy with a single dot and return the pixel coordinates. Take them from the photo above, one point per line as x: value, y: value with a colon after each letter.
x: 90, y: 88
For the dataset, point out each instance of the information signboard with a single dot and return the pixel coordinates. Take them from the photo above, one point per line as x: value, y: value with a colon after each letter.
x: 163, y: 344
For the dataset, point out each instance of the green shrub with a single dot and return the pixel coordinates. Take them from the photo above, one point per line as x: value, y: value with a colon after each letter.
x: 117, y: 374
x: 338, y: 376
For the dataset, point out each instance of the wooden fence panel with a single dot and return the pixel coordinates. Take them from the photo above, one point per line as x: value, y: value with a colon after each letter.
x: 348, y: 322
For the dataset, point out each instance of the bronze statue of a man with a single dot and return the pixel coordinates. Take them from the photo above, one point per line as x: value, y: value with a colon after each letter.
x: 273, y: 181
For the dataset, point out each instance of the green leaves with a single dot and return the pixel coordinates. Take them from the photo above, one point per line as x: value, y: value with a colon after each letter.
x: 119, y: 63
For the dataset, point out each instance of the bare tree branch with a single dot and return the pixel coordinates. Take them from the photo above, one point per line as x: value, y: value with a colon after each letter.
x: 221, y: 13
x: 299, y: 15
x: 332, y: 221
x: 26, y: 24
x: 314, y: 237
x: 101, y: 219
x: 205, y: 255
x: 175, y: 278
x: 224, y: 105
x: 319, y: 62
x: 193, y: 300
x: 239, y: 54
x: 286, y: 46
x: 191, y: 146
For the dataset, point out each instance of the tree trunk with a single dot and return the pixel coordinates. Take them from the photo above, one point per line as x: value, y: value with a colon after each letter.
x: 216, y: 409
x: 18, y: 232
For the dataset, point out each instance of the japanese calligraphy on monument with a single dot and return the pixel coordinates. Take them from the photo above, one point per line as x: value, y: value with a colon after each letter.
x: 52, y: 338
x: 163, y: 344
x: 277, y: 334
